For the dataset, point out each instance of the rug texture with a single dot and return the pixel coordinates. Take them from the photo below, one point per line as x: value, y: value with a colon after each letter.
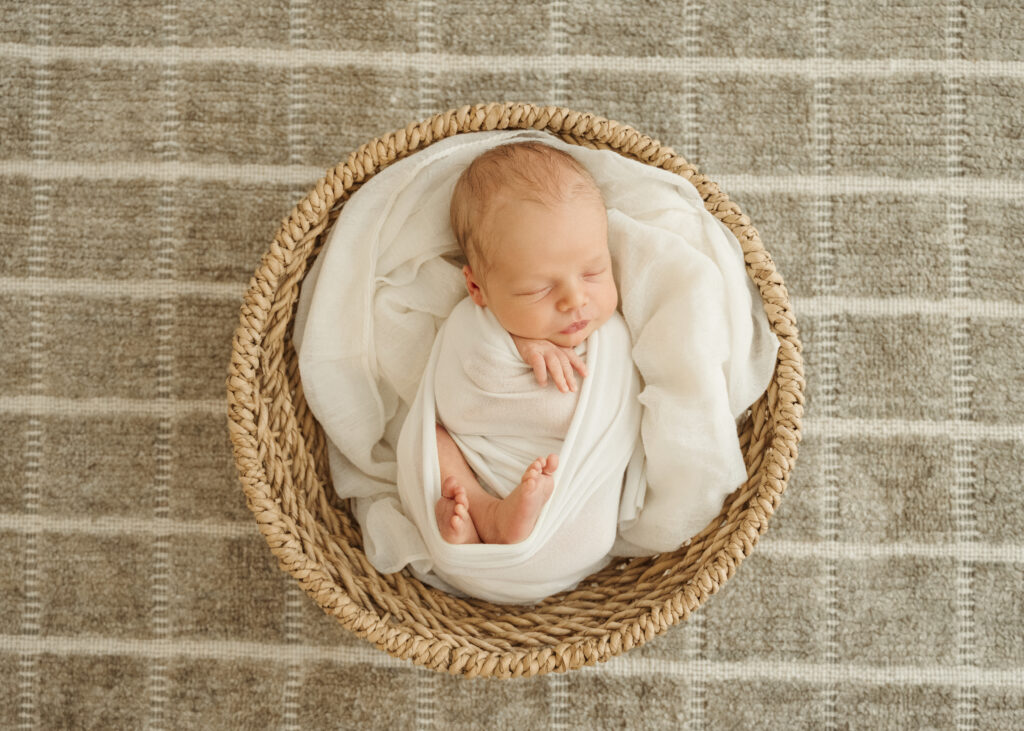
x: 148, y: 154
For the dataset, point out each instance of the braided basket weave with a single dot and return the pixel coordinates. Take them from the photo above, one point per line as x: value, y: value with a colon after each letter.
x: 280, y: 450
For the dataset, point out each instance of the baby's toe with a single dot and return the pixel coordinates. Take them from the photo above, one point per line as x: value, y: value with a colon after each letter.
x: 449, y: 487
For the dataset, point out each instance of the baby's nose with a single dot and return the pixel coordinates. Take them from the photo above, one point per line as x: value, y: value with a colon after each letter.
x: 573, y: 298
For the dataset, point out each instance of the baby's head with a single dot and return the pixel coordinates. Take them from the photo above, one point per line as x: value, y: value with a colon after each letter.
x: 533, y: 226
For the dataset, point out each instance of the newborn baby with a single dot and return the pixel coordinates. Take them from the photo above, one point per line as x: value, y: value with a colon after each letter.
x: 533, y: 226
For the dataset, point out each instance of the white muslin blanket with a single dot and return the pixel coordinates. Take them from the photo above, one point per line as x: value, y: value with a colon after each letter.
x: 384, y: 285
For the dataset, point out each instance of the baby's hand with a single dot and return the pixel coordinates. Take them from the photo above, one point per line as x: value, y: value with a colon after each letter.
x: 544, y: 356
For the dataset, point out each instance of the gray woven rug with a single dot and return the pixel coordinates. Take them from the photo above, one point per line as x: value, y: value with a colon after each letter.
x: 147, y: 157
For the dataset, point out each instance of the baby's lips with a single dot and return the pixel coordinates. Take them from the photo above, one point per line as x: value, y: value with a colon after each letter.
x: 575, y: 327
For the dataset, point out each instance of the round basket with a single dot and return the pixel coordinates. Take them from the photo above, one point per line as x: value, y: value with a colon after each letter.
x: 280, y: 450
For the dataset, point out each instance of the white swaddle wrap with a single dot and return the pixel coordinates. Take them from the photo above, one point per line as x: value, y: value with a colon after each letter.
x: 382, y: 287
x: 502, y: 420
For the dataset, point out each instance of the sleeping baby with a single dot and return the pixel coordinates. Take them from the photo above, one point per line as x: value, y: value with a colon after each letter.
x: 533, y: 227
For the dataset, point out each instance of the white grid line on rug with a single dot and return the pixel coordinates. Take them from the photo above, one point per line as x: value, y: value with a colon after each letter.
x: 428, y: 92
x: 768, y: 547
x: 557, y: 684
x: 446, y: 63
x: 296, y: 134
x: 559, y: 96
x: 694, y: 693
x: 963, y: 485
x: 363, y: 653
x: 828, y: 368
x: 812, y: 428
x: 813, y: 306
x: 793, y: 185
x: 166, y: 244
x: 37, y: 259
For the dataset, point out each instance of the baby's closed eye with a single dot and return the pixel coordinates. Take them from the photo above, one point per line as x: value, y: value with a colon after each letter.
x: 536, y: 292
x: 541, y: 291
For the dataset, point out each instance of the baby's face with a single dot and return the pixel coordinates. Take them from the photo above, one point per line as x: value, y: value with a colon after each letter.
x: 550, y: 275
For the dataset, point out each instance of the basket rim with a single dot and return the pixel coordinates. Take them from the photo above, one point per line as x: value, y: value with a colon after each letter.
x: 248, y: 414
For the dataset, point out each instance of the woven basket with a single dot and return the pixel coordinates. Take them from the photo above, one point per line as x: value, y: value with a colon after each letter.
x: 280, y: 451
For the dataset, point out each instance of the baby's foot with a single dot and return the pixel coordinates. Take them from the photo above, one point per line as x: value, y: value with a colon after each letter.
x: 452, y: 513
x: 516, y: 515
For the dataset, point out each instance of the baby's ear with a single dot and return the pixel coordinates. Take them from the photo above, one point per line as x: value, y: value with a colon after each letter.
x: 473, y: 287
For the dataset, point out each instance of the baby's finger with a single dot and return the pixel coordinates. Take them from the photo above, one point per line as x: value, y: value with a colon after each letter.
x: 540, y: 369
x: 557, y: 372
x: 577, y: 361
x: 569, y: 375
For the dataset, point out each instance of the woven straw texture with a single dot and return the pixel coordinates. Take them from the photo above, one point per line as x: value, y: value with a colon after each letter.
x: 280, y: 452
x: 148, y: 153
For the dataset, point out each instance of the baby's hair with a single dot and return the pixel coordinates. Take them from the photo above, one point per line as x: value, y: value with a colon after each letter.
x: 529, y: 171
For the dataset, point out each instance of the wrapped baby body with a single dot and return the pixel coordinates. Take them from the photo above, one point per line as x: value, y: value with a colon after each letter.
x: 389, y: 345
x: 501, y: 419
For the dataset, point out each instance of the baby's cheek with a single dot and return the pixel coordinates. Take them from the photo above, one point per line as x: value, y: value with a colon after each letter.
x: 611, y: 300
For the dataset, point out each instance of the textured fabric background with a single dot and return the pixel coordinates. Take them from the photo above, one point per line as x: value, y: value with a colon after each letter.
x: 149, y: 151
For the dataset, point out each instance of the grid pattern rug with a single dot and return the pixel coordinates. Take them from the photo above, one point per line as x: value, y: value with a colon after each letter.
x: 148, y: 152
